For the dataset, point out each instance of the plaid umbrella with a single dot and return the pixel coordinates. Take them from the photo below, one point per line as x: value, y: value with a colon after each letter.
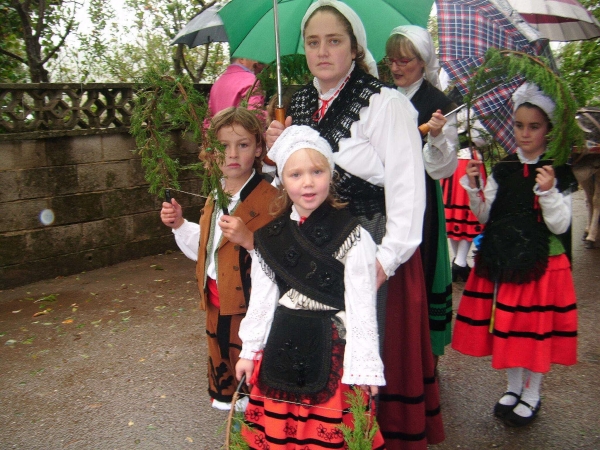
x: 467, y: 29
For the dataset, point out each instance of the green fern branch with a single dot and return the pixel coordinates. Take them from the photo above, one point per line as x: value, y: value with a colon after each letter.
x: 500, y: 65
x: 165, y: 105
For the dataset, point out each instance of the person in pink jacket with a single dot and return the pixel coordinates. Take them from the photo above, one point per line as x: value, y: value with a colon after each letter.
x: 237, y: 83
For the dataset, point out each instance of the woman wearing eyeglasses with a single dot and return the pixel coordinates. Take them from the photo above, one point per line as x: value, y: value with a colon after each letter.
x: 414, y: 67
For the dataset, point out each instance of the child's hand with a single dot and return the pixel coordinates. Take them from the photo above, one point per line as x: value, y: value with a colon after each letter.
x: 244, y: 367
x: 381, y: 275
x: 473, y: 171
x: 171, y: 214
x: 545, y: 178
x: 275, y: 129
x: 373, y: 390
x: 236, y: 231
x: 436, y: 123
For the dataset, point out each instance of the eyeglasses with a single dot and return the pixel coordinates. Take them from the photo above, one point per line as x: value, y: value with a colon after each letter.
x: 399, y: 62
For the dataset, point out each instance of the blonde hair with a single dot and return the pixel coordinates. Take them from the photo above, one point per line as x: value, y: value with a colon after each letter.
x: 400, y: 45
x: 283, y: 202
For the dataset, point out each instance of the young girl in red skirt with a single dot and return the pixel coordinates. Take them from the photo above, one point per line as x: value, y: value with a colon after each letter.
x: 311, y: 330
x: 519, y: 302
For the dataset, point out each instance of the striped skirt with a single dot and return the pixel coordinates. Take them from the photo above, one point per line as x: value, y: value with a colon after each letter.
x: 409, y: 404
x: 534, y: 324
x: 278, y: 425
x: 461, y: 223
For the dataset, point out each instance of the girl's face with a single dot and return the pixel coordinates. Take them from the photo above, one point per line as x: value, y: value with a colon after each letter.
x: 306, y: 177
x: 240, y: 150
x: 328, y: 49
x: 531, y: 128
x: 406, y: 69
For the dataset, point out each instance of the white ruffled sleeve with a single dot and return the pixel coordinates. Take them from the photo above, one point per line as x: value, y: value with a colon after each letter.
x: 362, y: 363
x: 187, y: 237
x: 481, y: 207
x: 439, y: 153
x: 255, y: 327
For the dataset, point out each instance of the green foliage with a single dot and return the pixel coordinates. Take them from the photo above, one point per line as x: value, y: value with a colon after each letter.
x: 360, y: 436
x: 294, y: 70
x: 236, y: 441
x: 500, y: 65
x: 580, y: 64
x: 164, y: 105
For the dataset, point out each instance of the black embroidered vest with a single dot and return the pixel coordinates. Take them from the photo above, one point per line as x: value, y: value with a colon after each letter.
x: 515, y: 245
x: 301, y: 257
x: 364, y: 198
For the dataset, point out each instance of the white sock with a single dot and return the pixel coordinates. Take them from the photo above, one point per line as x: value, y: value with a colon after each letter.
x: 531, y: 393
x: 453, y: 246
x: 515, y: 384
x: 462, y: 252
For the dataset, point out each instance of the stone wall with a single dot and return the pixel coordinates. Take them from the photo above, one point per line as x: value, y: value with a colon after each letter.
x: 94, y: 186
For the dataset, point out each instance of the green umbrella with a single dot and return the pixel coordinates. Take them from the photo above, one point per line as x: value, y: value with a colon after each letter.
x: 249, y: 24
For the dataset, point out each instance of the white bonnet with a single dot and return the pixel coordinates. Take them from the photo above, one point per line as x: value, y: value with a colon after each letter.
x: 357, y: 27
x: 422, y: 41
x: 530, y: 93
x: 296, y: 137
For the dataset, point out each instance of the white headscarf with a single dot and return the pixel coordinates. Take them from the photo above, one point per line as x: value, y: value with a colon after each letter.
x: 357, y: 28
x: 530, y: 93
x: 296, y: 137
x: 422, y: 41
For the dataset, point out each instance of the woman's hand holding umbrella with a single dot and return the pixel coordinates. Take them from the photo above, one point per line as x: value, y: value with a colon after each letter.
x: 275, y: 129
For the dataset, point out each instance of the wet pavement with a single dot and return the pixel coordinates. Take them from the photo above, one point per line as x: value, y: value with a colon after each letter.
x: 115, y: 359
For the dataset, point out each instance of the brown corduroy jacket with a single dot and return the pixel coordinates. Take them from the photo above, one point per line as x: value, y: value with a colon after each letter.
x: 233, y: 261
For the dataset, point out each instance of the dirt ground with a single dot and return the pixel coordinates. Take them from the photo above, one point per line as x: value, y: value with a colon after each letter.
x: 115, y: 359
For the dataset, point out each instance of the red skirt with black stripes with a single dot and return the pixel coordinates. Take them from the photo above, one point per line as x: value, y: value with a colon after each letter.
x: 534, y: 324
x: 278, y: 425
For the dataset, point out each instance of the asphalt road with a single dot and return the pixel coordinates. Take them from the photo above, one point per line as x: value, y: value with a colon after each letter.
x: 115, y: 359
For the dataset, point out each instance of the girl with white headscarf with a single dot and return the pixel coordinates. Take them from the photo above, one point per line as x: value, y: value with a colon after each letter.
x: 519, y: 302
x: 377, y: 153
x: 312, y: 314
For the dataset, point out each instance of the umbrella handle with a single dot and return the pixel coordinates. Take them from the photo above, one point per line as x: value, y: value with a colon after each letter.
x: 424, y: 129
x: 280, y: 115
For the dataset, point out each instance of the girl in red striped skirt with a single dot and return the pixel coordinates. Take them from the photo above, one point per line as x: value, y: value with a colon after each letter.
x: 311, y: 328
x: 519, y: 302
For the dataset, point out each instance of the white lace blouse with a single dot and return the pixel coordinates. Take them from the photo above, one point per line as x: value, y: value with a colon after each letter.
x: 362, y: 363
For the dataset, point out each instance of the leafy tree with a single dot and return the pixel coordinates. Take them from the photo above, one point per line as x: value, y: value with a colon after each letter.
x: 12, y: 57
x: 41, y: 30
x: 580, y: 64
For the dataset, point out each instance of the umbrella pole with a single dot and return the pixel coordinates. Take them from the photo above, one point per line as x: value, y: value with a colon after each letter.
x: 279, y: 110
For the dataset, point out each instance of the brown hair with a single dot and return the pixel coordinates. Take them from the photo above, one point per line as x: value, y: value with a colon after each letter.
x: 246, y: 119
x: 282, y: 202
x: 359, y: 51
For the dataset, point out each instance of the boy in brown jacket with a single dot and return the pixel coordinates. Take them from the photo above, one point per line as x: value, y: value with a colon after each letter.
x: 221, y: 252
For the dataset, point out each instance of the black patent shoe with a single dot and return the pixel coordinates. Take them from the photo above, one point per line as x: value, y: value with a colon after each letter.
x: 460, y: 273
x: 501, y: 410
x: 512, y: 419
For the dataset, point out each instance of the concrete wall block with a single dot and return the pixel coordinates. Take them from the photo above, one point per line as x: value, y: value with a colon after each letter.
x: 12, y: 247
x: 68, y: 150
x: 22, y: 154
x: 53, y: 241
x: 47, y: 182
x: 106, y: 232
x: 77, y: 208
x: 9, y: 185
x: 117, y: 147
x: 101, y: 177
x: 137, y: 174
x: 147, y: 226
x: 123, y: 202
x: 22, y: 215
